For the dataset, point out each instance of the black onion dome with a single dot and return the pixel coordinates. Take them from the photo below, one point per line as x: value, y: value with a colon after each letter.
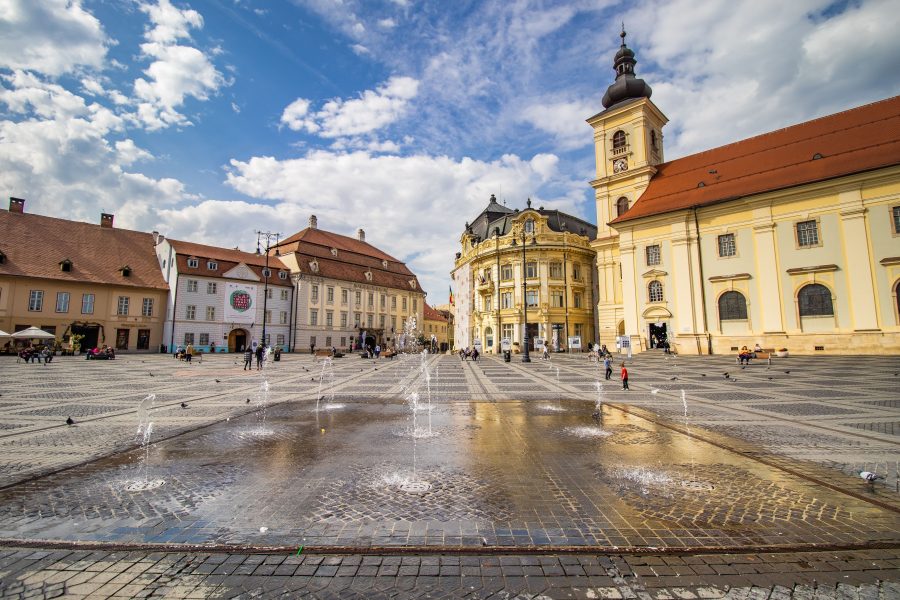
x: 626, y: 85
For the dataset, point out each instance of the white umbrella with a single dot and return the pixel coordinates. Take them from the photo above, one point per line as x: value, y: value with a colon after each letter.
x: 33, y: 333
x: 3, y: 334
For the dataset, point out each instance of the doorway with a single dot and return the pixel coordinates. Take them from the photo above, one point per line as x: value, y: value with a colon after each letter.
x: 91, y: 335
x: 532, y: 332
x: 122, y: 339
x: 658, y: 335
x: 237, y: 340
x: 143, y: 341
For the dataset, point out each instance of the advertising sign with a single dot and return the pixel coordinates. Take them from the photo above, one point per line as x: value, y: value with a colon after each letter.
x: 240, y: 303
x: 505, y: 345
x: 574, y: 342
x: 538, y: 343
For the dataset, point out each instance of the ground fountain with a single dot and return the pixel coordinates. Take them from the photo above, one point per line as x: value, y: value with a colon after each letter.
x: 144, y: 433
x: 326, y: 381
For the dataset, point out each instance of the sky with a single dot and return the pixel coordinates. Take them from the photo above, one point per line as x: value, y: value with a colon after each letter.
x: 207, y: 120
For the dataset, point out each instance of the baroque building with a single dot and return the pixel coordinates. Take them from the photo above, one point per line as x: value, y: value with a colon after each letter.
x: 535, y: 261
x: 68, y: 277
x: 349, y: 293
x: 788, y: 239
x: 220, y: 296
x: 435, y: 329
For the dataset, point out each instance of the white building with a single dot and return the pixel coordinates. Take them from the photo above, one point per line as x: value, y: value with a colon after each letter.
x: 349, y: 292
x: 219, y: 297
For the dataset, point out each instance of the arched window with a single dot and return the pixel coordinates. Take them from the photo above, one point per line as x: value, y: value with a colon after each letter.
x: 815, y: 301
x: 732, y: 307
x: 653, y: 139
x: 529, y: 226
x: 621, y: 206
x: 618, y: 139
x: 655, y: 291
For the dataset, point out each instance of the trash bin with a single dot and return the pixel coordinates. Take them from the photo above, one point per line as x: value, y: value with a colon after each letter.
x: 507, y: 356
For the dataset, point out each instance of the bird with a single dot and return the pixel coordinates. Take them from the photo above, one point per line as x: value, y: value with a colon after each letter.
x: 672, y: 378
x: 150, y: 374
x: 726, y: 375
x: 870, y: 477
x: 184, y: 405
x: 743, y: 367
x: 70, y: 421
x: 248, y: 400
x: 769, y: 378
x: 788, y: 372
x: 733, y: 379
x: 218, y: 381
x: 702, y: 374
x: 312, y: 378
x: 654, y: 391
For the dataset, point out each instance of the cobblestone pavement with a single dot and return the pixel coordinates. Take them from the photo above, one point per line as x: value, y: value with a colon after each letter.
x: 689, y: 460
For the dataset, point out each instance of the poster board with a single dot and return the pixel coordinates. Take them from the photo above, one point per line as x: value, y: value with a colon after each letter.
x: 240, y: 302
x: 574, y: 342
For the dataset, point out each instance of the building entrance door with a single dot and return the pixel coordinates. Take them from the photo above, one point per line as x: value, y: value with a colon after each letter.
x: 657, y: 335
x: 143, y: 341
x: 237, y: 340
x: 532, y: 332
x: 91, y: 335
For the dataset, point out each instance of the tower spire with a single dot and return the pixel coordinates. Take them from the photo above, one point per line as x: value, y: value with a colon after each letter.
x: 626, y: 85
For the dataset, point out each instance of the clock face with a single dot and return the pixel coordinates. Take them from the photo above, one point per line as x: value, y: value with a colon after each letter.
x: 619, y: 165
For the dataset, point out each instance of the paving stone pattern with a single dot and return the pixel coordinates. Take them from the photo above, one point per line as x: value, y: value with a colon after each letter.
x: 765, y: 456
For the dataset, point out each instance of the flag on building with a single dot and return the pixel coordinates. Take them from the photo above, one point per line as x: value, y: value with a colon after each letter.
x: 452, y: 303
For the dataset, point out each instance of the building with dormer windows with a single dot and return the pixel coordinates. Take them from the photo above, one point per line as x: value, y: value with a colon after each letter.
x: 349, y: 293
x: 219, y: 297
x: 555, y: 264
x: 788, y: 239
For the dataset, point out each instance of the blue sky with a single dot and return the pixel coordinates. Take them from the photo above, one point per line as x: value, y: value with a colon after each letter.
x: 209, y: 119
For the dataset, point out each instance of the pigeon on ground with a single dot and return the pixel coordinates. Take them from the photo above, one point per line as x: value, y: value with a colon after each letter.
x: 70, y: 421
x: 217, y: 381
x: 248, y: 400
x: 870, y: 477
x: 743, y: 367
x: 672, y: 378
x: 726, y: 375
x: 702, y: 374
x: 151, y: 374
x: 788, y: 372
x: 595, y: 415
x: 184, y: 405
x: 769, y: 378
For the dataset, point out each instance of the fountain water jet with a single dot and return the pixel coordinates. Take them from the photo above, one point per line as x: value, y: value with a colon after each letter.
x: 144, y: 432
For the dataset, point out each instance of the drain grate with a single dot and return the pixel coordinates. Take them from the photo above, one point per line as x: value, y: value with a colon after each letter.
x: 415, y: 487
x: 143, y: 486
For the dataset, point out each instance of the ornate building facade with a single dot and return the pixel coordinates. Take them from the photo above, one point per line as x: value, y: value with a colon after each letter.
x: 516, y: 261
x: 349, y: 292
x: 788, y: 239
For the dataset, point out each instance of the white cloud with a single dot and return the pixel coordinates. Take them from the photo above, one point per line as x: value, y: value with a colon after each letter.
x: 51, y: 36
x: 235, y: 107
x: 373, y: 110
x: 387, y: 23
x: 564, y: 120
x: 342, y: 189
x: 176, y: 71
x: 360, y: 49
x: 130, y: 153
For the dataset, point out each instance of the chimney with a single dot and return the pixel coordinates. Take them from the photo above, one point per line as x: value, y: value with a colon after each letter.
x: 16, y: 205
x: 155, y: 235
x: 361, y: 235
x: 313, y: 222
x: 106, y: 220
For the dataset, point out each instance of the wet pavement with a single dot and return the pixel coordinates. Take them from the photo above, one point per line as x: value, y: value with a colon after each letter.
x: 501, y: 462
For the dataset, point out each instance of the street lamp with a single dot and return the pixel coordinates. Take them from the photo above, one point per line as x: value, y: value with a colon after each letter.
x: 268, y: 236
x: 497, y: 345
x: 525, y: 356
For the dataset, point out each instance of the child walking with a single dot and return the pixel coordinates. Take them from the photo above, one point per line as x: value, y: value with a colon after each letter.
x: 624, y: 377
x: 607, y: 364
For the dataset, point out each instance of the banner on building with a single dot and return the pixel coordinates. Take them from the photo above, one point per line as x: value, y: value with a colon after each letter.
x: 574, y: 342
x: 240, y: 303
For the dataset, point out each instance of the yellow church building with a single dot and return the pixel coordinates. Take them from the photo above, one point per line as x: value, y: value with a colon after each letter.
x: 790, y: 239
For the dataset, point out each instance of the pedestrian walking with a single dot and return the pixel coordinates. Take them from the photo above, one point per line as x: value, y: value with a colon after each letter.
x: 624, y: 377
x: 260, y: 353
x: 248, y: 359
x: 607, y: 364
x: 189, y: 352
x: 377, y: 350
x: 545, y: 355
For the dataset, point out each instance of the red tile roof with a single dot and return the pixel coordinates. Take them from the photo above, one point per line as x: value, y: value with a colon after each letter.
x: 853, y: 141
x: 354, y: 259
x: 35, y: 246
x: 227, y: 259
x: 433, y: 315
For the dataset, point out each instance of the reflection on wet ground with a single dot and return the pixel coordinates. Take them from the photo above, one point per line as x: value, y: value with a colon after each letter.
x: 508, y: 474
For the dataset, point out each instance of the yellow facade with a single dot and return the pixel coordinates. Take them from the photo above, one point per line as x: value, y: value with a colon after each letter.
x: 669, y: 269
x: 437, y: 328
x: 17, y: 297
x: 559, y: 269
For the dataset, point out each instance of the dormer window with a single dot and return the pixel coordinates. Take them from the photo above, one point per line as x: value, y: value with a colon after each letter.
x: 193, y: 263
x: 266, y: 273
x: 2, y: 258
x: 126, y: 271
x: 529, y: 226
x: 334, y: 251
x: 212, y: 266
x: 384, y: 264
x: 65, y: 266
x: 282, y: 275
x: 368, y: 275
x: 412, y: 283
x: 314, y: 266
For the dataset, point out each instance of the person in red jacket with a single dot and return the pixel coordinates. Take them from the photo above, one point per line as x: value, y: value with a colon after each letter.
x: 624, y: 377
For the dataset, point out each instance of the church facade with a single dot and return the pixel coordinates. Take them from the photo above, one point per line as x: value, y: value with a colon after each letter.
x: 790, y: 239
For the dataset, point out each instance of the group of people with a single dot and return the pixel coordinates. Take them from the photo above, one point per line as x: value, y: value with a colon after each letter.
x: 260, y: 354
x: 746, y: 354
x: 466, y: 353
x: 31, y: 354
x: 103, y: 353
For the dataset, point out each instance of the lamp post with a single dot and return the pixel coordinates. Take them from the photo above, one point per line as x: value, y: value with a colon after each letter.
x: 268, y: 236
x: 497, y: 345
x: 525, y: 356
